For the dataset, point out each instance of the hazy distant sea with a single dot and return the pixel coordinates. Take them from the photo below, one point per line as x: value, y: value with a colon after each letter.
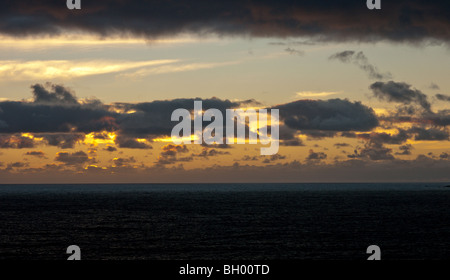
x: 225, y: 221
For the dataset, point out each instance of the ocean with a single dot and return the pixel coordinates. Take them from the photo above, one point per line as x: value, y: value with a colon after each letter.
x: 225, y: 221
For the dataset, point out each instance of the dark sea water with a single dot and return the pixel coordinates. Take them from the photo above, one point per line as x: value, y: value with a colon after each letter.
x: 225, y: 221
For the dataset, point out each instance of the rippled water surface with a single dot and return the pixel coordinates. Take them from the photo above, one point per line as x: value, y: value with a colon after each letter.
x: 225, y: 221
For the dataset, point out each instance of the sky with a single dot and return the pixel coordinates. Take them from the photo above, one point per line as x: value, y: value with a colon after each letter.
x: 87, y: 95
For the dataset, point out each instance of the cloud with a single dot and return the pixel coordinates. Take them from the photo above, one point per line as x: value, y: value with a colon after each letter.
x: 292, y: 51
x: 292, y: 43
x: 172, y: 150
x: 441, y: 118
x: 54, y: 109
x: 249, y: 158
x: 405, y: 149
x: 313, y: 156
x: 110, y: 148
x: 217, y: 146
x: 296, y: 142
x: 422, y: 169
x: 76, y: 158
x: 272, y: 158
x: 56, y: 115
x: 434, y: 86
x: 311, y: 94
x: 289, y: 136
x: 171, y: 160
x: 175, y: 68
x: 169, y: 154
x: 332, y: 115
x: 443, y: 97
x: 414, y: 105
x: 373, y: 150
x: 348, y: 134
x: 16, y: 165
x: 131, y: 143
x: 430, y: 134
x: 386, y: 138
x: 265, y: 159
x: 121, y: 162
x: 14, y: 70
x: 154, y: 118
x: 53, y: 94
x: 341, y: 145
x: 205, y: 153
x: 15, y: 142
x: 39, y: 154
x: 62, y: 140
x: 319, y: 134
x: 80, y: 40
x: 400, y: 93
x: 359, y: 59
x: 411, y: 21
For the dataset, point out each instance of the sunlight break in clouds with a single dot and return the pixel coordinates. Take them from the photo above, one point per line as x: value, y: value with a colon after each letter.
x: 49, y: 69
x: 31, y: 43
x: 164, y: 69
x: 309, y: 94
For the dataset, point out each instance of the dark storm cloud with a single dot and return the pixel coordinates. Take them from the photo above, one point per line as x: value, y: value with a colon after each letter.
x: 154, y: 118
x: 296, y: 142
x: 53, y: 94
x: 401, y: 93
x: 131, y: 143
x: 289, y: 137
x: 54, y: 109
x: 76, y: 158
x: 319, y: 134
x: 360, y: 60
x: 57, y: 116
x: 62, y: 140
x: 386, y: 138
x: 443, y: 97
x: 414, y: 106
x: 430, y: 134
x: 331, y: 115
x: 404, y: 114
x: 399, y: 21
x: 441, y: 118
x: 348, y: 134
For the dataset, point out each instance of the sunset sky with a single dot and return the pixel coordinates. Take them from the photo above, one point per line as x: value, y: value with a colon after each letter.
x: 86, y: 95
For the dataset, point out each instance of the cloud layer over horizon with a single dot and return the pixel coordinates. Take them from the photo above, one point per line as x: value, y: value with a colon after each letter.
x: 325, y: 20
